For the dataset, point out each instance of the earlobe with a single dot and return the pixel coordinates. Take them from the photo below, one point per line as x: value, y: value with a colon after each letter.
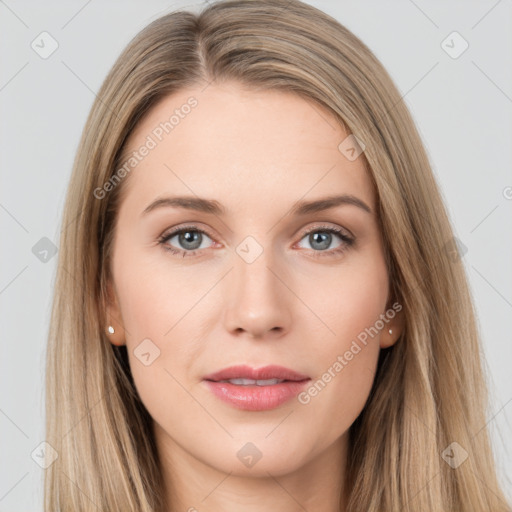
x: 388, y: 338
x: 115, y: 335
x: 114, y: 327
x: 392, y: 331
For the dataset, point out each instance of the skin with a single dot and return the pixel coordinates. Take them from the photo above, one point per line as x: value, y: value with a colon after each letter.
x: 256, y: 153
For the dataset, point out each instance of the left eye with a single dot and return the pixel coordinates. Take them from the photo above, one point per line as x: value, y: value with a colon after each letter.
x: 321, y: 238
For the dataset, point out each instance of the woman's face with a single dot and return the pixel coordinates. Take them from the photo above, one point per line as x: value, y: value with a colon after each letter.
x: 257, y: 279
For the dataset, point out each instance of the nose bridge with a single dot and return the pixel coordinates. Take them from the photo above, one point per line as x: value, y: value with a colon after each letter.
x: 257, y: 299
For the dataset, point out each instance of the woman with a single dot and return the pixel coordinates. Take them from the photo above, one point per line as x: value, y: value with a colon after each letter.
x: 205, y: 353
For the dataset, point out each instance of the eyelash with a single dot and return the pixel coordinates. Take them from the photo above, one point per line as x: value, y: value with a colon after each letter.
x: 347, y: 241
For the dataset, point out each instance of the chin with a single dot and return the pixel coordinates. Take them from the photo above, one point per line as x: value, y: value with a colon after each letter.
x: 258, y: 454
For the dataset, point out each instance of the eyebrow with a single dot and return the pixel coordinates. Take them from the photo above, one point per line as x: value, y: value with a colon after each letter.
x: 299, y: 208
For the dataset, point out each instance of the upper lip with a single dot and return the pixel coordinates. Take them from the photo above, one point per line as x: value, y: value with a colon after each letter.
x: 263, y: 373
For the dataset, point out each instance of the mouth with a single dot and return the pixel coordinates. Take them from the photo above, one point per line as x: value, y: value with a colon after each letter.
x: 256, y: 389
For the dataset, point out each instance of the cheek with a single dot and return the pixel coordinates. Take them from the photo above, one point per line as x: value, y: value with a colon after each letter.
x: 163, y: 307
x: 346, y: 300
x: 155, y: 294
x: 351, y: 305
x: 149, y: 307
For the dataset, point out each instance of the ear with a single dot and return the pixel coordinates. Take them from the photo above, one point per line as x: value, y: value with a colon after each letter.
x: 395, y: 325
x: 114, y: 321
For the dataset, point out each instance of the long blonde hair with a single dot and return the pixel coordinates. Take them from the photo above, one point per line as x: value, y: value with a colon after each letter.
x: 429, y: 390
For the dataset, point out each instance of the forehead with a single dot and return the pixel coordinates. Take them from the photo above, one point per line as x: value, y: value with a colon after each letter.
x: 242, y: 147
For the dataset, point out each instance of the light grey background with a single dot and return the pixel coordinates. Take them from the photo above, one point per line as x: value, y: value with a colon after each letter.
x: 462, y: 106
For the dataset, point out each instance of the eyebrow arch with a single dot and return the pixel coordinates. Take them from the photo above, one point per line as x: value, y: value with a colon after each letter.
x: 188, y: 202
x: 326, y: 203
x: 215, y: 208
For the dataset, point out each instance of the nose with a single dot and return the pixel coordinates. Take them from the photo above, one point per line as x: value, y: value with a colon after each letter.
x: 258, y: 301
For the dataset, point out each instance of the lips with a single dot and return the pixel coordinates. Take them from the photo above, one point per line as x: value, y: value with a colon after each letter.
x: 259, y: 374
x: 259, y: 389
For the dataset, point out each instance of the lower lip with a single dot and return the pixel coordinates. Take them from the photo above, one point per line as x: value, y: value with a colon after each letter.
x: 256, y: 398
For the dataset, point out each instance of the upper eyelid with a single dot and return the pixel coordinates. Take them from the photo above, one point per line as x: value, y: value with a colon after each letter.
x: 173, y: 232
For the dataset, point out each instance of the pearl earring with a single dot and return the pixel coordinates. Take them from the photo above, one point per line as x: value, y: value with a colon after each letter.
x: 111, y: 329
x: 390, y: 331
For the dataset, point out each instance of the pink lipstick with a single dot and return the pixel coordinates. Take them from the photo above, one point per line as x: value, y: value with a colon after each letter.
x: 256, y: 389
